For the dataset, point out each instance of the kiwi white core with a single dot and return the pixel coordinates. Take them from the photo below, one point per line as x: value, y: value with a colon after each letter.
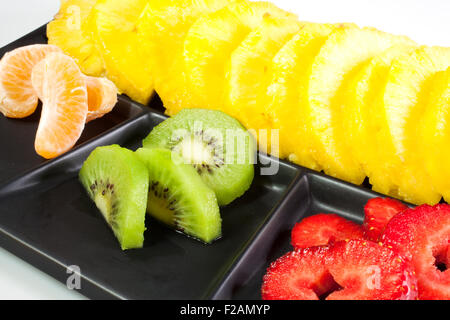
x: 158, y: 208
x: 195, y: 151
x: 103, y: 203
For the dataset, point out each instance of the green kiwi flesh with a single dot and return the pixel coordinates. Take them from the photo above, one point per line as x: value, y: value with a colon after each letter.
x: 215, y: 144
x: 178, y: 196
x: 117, y: 181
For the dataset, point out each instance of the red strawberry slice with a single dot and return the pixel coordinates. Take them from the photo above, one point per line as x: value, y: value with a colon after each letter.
x: 299, y: 275
x: 423, y: 236
x: 321, y: 229
x: 378, y: 212
x: 370, y: 271
x: 357, y: 269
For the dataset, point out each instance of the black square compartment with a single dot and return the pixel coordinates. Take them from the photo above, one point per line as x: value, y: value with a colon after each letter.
x: 313, y: 194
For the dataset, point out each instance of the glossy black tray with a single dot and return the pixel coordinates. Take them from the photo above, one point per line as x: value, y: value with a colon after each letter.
x: 47, y: 219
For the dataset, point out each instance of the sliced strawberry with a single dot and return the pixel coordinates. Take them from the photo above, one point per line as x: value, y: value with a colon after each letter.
x: 345, y: 270
x: 299, y: 275
x: 321, y: 229
x: 378, y: 212
x: 370, y: 271
x: 423, y: 236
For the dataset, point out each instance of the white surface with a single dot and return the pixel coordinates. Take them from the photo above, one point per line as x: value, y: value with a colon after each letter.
x: 425, y: 21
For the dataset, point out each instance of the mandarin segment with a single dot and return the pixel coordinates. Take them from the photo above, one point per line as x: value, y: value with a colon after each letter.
x: 64, y: 106
x: 102, y: 93
x: 17, y: 96
x: 102, y: 97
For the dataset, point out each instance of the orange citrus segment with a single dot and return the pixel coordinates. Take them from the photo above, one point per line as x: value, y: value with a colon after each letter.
x: 102, y: 97
x: 102, y: 93
x: 64, y: 106
x: 17, y: 97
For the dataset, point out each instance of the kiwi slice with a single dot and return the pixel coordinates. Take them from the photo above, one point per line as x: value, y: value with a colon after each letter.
x: 178, y: 197
x: 215, y: 144
x: 117, y: 181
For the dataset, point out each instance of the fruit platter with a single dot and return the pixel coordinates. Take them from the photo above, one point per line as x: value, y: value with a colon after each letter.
x: 225, y: 149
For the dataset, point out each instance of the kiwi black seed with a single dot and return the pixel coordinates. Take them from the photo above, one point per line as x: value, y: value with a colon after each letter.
x: 178, y: 197
x: 117, y: 181
x: 201, y: 137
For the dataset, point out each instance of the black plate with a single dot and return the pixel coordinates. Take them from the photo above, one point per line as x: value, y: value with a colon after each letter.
x: 47, y: 219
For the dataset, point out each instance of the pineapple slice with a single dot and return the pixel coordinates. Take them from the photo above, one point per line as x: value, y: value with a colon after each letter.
x: 434, y: 133
x: 285, y: 96
x: 162, y: 27
x: 247, y: 75
x: 361, y: 118
x: 344, y: 52
x: 404, y: 100
x: 71, y: 33
x: 208, y: 46
x: 115, y: 32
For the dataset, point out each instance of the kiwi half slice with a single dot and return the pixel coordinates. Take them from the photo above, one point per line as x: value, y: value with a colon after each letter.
x: 178, y: 197
x: 117, y: 181
x: 215, y: 144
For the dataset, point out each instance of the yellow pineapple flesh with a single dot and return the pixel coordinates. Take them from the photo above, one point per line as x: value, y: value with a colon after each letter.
x: 161, y: 30
x: 248, y: 73
x: 344, y: 52
x: 208, y: 47
x: 286, y: 93
x: 404, y: 100
x: 114, y: 23
x: 69, y: 31
x: 360, y: 119
x: 434, y: 133
x: 349, y: 101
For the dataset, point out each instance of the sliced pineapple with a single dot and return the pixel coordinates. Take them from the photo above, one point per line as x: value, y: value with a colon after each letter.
x: 344, y: 52
x: 360, y: 119
x: 248, y: 72
x: 208, y: 46
x: 434, y: 133
x: 161, y: 30
x: 404, y: 100
x: 115, y: 32
x: 285, y: 94
x: 69, y: 31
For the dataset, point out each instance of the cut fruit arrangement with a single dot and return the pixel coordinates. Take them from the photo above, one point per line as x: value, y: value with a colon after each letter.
x: 397, y: 254
x: 69, y: 98
x: 352, y: 102
x: 346, y: 100
x: 189, y: 166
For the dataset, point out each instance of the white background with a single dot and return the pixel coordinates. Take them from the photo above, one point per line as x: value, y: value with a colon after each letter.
x: 425, y: 21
